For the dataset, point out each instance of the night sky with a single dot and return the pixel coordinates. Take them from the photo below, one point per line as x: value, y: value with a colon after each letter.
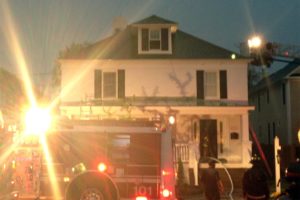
x: 44, y: 27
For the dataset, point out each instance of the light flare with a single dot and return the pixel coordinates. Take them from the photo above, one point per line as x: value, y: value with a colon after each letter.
x: 51, y: 171
x: 37, y: 121
x: 16, y: 50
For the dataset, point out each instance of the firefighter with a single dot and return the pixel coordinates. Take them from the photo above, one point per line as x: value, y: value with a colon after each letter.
x: 212, y: 183
x: 255, y: 186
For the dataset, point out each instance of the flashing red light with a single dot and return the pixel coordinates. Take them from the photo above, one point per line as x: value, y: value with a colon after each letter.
x: 165, y: 173
x: 166, y: 193
x: 286, y: 53
x: 102, y: 167
x: 141, y: 198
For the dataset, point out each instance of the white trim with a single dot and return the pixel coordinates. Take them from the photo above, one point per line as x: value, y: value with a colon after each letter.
x: 203, y: 110
x: 110, y: 129
x: 293, y: 71
x: 154, y: 51
x: 288, y: 111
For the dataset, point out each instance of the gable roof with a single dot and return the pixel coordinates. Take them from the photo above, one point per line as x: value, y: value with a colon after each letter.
x: 124, y: 45
x: 153, y: 19
x: 276, y: 77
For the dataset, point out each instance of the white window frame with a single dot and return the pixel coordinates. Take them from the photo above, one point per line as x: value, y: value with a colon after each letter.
x: 217, y: 96
x: 158, y: 31
x: 116, y: 85
x: 154, y: 51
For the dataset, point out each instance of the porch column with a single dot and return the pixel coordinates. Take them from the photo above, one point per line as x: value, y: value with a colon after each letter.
x: 246, y: 143
x: 193, y: 159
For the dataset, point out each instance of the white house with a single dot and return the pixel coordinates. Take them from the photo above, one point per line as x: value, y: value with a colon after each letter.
x: 152, y: 69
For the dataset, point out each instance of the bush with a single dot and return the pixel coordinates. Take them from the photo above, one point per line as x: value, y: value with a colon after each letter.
x: 180, y: 174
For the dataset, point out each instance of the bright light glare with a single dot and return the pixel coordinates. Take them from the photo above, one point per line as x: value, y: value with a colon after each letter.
x: 166, y: 193
x: 233, y: 56
x: 254, y: 42
x: 102, y: 167
x: 141, y: 198
x: 37, y: 121
x: 165, y: 173
x: 172, y: 120
x: 66, y: 179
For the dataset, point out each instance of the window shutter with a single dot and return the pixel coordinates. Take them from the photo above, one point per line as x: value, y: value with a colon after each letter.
x: 98, y: 84
x: 121, y: 84
x: 223, y: 84
x: 200, y: 84
x: 145, y: 39
x: 164, y: 39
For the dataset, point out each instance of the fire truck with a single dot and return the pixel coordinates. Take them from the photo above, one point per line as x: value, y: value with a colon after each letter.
x: 92, y: 160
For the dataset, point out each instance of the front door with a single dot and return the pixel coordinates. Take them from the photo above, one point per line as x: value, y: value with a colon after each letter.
x: 208, y: 138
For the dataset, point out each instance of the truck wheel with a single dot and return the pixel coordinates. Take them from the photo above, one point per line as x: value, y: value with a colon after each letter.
x: 88, y: 192
x: 92, y: 186
x: 92, y: 194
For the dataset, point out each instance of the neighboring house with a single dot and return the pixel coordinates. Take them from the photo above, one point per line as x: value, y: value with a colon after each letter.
x: 152, y: 69
x: 276, y: 99
x: 11, y: 95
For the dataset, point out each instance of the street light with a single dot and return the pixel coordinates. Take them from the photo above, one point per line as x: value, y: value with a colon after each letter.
x: 260, y: 51
x: 254, y: 42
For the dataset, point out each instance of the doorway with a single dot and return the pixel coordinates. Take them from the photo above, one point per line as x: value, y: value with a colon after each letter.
x: 208, y: 138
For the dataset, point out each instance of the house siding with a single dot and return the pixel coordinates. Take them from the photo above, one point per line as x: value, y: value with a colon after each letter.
x: 271, y: 112
x: 295, y: 106
x: 144, y: 78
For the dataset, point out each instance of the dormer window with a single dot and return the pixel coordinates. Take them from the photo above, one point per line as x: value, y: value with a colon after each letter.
x: 155, y: 40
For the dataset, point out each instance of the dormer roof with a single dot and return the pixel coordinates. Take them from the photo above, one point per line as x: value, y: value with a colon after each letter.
x: 153, y: 19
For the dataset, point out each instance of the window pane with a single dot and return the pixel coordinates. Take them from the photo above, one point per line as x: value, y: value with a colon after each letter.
x: 119, y: 148
x: 211, y: 89
x: 154, y: 39
x: 211, y: 78
x: 154, y: 35
x: 155, y: 44
x: 109, y: 84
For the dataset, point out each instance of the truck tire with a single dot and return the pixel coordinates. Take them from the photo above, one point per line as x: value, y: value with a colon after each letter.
x: 92, y: 185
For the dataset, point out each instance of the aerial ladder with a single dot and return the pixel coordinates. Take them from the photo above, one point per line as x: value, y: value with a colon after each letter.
x: 262, y: 55
x: 265, y: 53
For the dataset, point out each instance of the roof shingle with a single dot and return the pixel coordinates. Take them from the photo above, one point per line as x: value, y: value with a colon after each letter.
x: 124, y: 45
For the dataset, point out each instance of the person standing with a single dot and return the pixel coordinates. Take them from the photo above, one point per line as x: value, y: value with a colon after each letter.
x: 255, y: 185
x: 212, y: 183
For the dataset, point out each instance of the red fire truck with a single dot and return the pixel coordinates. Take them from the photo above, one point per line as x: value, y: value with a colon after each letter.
x: 95, y: 160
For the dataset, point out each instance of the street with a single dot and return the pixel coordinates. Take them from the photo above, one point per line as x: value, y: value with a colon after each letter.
x: 201, y: 197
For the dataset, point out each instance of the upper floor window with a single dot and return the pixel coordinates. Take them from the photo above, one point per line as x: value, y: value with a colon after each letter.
x: 109, y: 84
x: 211, y: 84
x: 154, y: 40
